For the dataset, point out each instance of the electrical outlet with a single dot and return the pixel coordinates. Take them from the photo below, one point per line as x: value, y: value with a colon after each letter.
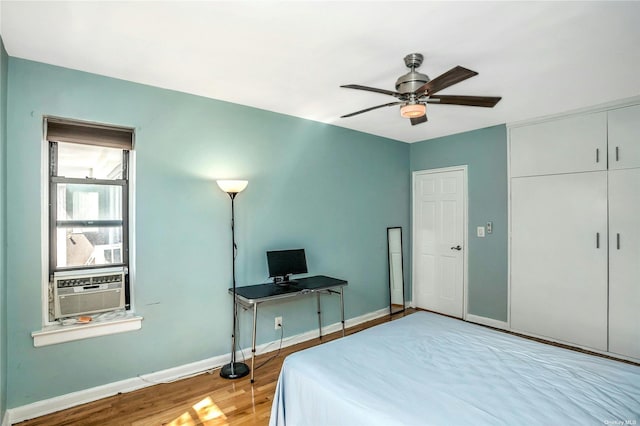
x: 278, y: 323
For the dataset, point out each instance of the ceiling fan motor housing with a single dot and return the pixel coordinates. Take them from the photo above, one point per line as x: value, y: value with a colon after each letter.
x: 412, y: 80
x: 414, y: 90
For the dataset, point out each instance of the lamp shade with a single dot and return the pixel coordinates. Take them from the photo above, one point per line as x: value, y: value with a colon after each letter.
x: 232, y: 186
x: 413, y: 110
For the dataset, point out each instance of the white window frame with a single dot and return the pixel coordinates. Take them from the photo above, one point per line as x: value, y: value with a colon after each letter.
x: 53, y: 332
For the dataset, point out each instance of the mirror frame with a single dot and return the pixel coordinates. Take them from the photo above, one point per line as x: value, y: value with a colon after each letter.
x: 391, y: 310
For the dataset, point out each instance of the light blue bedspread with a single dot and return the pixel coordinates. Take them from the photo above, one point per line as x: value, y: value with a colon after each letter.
x: 426, y: 369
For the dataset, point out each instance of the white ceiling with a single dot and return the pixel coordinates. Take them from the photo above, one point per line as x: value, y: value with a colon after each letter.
x: 291, y: 57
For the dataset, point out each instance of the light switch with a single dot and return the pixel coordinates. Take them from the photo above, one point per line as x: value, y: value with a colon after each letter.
x: 481, y: 231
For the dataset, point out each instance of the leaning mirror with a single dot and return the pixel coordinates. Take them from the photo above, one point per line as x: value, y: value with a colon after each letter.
x: 396, y: 274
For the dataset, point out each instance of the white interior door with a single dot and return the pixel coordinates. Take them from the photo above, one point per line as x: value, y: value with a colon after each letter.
x: 624, y: 262
x: 439, y: 241
x: 559, y: 257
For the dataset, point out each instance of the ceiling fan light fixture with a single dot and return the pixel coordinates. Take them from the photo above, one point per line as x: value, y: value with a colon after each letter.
x: 413, y: 110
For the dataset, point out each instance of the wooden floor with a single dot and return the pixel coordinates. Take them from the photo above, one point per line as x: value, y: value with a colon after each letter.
x: 206, y: 399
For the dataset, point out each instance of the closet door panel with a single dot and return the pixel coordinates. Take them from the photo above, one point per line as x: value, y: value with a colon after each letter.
x: 624, y: 262
x: 624, y: 137
x: 566, y: 145
x: 559, y: 257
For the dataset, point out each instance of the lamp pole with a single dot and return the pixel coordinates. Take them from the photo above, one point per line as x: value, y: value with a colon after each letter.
x: 233, y: 370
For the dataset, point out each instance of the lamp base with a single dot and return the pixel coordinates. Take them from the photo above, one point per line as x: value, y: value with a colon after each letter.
x: 234, y: 370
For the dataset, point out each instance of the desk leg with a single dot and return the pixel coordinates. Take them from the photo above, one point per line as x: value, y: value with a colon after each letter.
x: 342, y: 308
x: 319, y: 317
x: 253, y: 343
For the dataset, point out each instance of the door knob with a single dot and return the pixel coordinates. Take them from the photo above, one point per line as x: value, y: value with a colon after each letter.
x: 456, y: 248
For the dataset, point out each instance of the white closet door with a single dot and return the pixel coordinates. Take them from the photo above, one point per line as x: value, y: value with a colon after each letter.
x: 624, y: 262
x: 559, y: 257
x: 624, y: 138
x: 566, y: 145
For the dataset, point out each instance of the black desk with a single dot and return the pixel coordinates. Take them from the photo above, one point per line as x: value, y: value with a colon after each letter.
x: 251, y: 296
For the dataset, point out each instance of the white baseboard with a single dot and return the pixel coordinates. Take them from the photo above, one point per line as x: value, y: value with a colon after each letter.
x: 313, y: 334
x: 502, y: 325
x: 51, y: 405
x: 550, y: 340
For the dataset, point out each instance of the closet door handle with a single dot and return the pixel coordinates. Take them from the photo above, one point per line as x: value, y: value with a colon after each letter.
x: 618, y: 241
x: 597, y: 240
x: 617, y: 153
x: 597, y: 155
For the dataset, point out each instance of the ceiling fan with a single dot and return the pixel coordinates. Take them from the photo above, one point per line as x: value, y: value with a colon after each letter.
x: 415, y: 90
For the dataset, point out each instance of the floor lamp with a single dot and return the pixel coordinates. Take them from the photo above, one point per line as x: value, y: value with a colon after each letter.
x: 233, y: 370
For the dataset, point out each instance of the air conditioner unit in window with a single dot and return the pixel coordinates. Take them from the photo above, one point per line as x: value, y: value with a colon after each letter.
x: 88, y: 292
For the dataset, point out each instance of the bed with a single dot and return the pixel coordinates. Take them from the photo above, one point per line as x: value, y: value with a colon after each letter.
x: 427, y: 369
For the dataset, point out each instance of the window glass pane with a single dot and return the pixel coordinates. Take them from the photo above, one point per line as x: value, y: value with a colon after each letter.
x: 89, y: 161
x: 89, y: 202
x: 89, y: 246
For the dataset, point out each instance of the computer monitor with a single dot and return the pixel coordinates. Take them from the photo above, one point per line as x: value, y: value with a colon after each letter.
x: 284, y: 263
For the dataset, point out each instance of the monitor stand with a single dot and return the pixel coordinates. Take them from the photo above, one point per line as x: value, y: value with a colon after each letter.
x: 284, y: 281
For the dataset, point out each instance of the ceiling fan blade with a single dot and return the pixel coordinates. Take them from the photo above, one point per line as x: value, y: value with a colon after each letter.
x: 372, y: 89
x: 449, y: 78
x: 479, y: 101
x: 418, y: 120
x: 369, y: 109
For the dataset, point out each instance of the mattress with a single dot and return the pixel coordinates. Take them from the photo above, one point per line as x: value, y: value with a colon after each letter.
x: 427, y: 369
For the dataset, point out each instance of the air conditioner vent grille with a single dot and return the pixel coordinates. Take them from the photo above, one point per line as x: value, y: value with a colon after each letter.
x: 87, y: 294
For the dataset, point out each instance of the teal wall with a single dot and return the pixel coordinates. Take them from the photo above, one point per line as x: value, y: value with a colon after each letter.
x: 4, y: 60
x: 330, y: 190
x: 485, y: 153
x: 325, y: 188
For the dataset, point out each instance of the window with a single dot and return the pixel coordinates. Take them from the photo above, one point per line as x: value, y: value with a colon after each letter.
x: 88, y: 203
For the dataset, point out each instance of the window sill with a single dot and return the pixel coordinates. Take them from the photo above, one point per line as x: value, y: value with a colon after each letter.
x: 53, y: 334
